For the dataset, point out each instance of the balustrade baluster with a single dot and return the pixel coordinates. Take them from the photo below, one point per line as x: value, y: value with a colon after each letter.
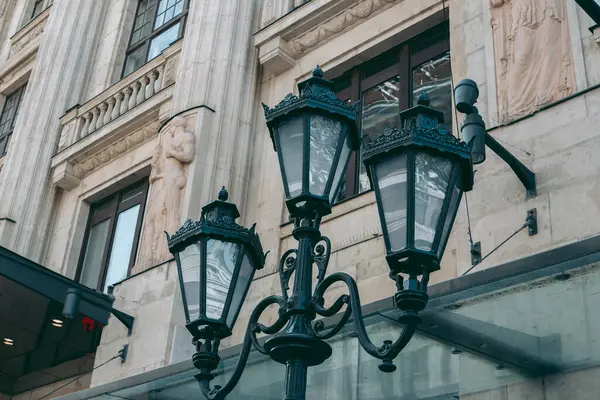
x: 109, y: 110
x: 100, y: 120
x: 94, y: 122
x: 134, y: 91
x: 160, y: 79
x: 125, y: 103
x: 141, y: 95
x: 117, y: 108
x: 150, y: 89
x: 85, y: 130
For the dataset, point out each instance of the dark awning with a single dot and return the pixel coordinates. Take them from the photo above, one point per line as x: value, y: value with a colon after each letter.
x: 38, y: 345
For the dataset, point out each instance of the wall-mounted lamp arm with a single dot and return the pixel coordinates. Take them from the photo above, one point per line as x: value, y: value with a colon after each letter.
x: 125, y: 319
x: 525, y: 175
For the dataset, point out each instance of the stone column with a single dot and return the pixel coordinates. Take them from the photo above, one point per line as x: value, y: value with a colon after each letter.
x: 219, y: 70
x: 56, y: 84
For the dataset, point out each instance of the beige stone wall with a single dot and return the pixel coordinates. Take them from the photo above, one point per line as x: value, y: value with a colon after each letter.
x: 234, y: 148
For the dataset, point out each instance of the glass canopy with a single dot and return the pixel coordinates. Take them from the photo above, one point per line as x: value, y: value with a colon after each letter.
x: 524, y: 330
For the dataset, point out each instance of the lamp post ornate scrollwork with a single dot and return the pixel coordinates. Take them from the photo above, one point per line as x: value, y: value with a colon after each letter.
x: 418, y: 173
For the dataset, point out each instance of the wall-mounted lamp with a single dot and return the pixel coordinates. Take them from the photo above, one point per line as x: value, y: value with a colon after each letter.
x: 473, y: 129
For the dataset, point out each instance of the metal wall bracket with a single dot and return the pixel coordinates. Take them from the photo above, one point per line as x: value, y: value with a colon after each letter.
x: 475, y: 253
x: 530, y: 224
x: 123, y: 353
x: 73, y: 304
x: 531, y: 221
x: 525, y: 175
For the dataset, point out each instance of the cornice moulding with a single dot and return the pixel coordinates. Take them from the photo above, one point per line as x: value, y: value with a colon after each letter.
x: 309, y: 27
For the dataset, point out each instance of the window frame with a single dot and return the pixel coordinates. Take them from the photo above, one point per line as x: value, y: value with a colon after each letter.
x: 145, y: 43
x: 20, y: 92
x: 406, y: 59
x: 115, y: 207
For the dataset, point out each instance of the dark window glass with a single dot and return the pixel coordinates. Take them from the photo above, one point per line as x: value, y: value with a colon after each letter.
x: 391, y: 83
x: 38, y: 7
x: 157, y: 24
x: 112, y: 237
x: 9, y: 117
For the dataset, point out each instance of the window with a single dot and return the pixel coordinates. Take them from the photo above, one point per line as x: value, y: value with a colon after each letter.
x: 38, y: 7
x: 112, y: 236
x: 157, y: 24
x: 9, y: 116
x: 391, y: 83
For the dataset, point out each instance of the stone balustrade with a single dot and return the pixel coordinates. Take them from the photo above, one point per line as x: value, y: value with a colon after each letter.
x: 118, y: 99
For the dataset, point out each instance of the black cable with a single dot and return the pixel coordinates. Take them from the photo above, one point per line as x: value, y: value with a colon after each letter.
x: 79, y: 376
x: 468, y: 221
x: 525, y: 225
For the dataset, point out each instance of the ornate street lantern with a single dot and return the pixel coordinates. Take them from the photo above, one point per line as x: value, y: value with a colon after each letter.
x: 216, y: 260
x: 314, y: 135
x: 419, y: 173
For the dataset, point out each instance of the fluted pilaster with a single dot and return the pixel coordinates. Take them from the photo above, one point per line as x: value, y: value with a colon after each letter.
x: 55, y: 85
x: 218, y: 69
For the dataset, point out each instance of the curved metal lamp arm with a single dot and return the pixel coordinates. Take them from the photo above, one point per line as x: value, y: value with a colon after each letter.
x: 388, y: 350
x: 205, y: 375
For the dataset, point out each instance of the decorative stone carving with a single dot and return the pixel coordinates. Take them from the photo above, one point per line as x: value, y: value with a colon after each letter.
x: 65, y: 135
x: 175, y: 149
x: 337, y: 24
x: 533, y: 57
x: 116, y: 149
x: 25, y: 40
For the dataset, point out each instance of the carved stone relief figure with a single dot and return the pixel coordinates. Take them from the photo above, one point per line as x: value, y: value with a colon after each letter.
x: 533, y: 58
x: 168, y: 179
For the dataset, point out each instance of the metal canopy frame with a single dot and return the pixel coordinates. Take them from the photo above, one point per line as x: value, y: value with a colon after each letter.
x: 93, y: 304
x: 591, y: 8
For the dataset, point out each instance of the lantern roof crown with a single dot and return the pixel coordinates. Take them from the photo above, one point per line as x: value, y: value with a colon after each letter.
x: 422, y: 128
x: 217, y: 221
x: 315, y: 93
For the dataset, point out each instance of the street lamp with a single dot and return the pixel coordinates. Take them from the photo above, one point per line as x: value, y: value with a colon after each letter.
x: 418, y: 174
x: 314, y: 135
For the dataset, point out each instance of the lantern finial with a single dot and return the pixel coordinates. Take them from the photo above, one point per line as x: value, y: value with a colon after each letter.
x: 223, y: 195
x: 317, y: 72
x: 423, y: 99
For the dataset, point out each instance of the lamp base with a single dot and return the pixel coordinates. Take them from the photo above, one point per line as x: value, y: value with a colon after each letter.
x: 298, y: 347
x: 205, y: 360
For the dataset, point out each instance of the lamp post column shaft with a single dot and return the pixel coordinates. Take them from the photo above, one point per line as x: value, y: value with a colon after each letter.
x: 295, y: 381
x: 302, y: 292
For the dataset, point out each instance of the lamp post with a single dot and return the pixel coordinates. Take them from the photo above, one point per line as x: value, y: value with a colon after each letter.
x: 418, y: 173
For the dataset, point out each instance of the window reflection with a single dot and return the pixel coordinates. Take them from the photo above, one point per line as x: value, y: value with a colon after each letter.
x: 122, y: 244
x: 432, y: 176
x: 380, y: 109
x: 434, y: 77
x: 163, y: 41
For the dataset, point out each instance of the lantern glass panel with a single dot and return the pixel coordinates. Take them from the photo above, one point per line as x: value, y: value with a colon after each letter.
x: 324, y: 139
x: 291, y: 146
x: 221, y: 260
x: 345, y: 154
x: 189, y: 260
x: 393, y: 186
x: 452, y: 208
x: 242, y: 283
x: 432, y: 175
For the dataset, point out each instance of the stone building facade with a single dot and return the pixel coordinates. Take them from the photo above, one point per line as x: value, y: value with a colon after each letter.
x: 122, y: 118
